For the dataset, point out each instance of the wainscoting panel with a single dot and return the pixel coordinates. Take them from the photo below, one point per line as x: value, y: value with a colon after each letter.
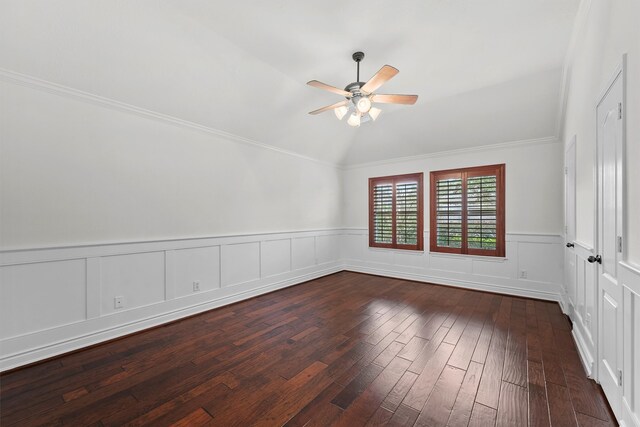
x: 201, y: 265
x: 275, y: 257
x: 353, y: 244
x: 41, y: 295
x: 499, y: 267
x: 541, y: 261
x: 54, y: 300
x: 629, y: 276
x: 240, y: 263
x: 445, y: 263
x: 138, y: 279
x: 327, y: 248
x: 303, y: 252
x: 409, y: 259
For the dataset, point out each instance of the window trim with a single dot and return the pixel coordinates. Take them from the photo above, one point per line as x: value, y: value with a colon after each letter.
x: 499, y: 171
x: 396, y: 179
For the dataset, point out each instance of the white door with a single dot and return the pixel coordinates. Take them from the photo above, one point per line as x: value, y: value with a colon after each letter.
x: 570, y: 221
x: 610, y: 145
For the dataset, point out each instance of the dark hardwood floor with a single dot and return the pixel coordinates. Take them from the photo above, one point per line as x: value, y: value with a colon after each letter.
x: 347, y: 350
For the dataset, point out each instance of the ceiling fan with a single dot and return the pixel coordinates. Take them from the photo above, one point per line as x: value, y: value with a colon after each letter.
x: 360, y: 96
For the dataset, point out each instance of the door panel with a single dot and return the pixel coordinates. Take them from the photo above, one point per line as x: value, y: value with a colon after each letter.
x: 609, y: 357
x: 608, y: 194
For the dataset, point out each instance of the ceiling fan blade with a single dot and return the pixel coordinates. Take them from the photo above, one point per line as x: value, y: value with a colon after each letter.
x: 395, y: 99
x: 330, y: 88
x: 330, y: 107
x: 385, y: 73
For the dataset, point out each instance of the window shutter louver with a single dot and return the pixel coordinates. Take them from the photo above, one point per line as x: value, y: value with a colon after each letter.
x: 407, y: 213
x: 449, y: 212
x: 395, y: 212
x: 383, y: 213
x: 482, y: 211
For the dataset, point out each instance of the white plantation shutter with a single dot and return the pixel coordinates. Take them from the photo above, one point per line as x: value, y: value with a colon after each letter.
x: 467, y: 211
x: 396, y: 212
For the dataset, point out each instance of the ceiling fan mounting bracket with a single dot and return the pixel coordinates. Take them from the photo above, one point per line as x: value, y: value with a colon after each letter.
x: 358, y: 56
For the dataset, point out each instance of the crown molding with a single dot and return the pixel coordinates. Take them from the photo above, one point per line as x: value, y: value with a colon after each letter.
x: 490, y: 147
x: 79, y: 95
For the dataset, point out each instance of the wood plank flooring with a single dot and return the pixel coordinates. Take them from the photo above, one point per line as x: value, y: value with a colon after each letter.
x: 346, y: 350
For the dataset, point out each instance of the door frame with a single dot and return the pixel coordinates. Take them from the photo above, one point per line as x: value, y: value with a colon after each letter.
x: 619, y: 71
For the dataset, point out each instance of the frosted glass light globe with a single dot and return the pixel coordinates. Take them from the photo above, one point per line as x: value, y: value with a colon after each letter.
x: 363, y: 104
x: 354, y: 120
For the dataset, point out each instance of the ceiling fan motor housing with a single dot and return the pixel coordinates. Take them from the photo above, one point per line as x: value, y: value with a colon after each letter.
x: 354, y: 88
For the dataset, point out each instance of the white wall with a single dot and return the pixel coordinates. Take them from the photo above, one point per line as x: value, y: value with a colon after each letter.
x: 606, y: 30
x: 79, y: 171
x: 533, y: 183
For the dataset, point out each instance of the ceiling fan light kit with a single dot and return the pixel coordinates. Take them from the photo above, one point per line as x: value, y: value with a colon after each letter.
x: 360, y: 96
x: 354, y: 119
x: 341, y: 111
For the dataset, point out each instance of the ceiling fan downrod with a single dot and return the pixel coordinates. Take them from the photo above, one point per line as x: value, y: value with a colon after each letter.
x: 358, y: 56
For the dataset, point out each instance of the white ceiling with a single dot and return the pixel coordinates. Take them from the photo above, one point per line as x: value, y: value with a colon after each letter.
x: 486, y: 71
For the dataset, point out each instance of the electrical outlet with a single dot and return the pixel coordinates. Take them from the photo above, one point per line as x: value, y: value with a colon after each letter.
x: 196, y: 286
x: 523, y: 274
x: 118, y: 302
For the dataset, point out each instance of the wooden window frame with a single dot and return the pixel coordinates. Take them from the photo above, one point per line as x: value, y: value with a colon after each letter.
x: 499, y: 171
x: 398, y: 179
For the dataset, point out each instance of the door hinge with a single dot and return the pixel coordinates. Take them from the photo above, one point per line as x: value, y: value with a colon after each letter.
x: 620, y: 377
x: 619, y: 110
x: 566, y: 170
x: 619, y: 242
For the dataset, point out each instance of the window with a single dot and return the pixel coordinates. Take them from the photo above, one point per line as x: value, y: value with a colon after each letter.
x: 396, y: 212
x: 467, y: 211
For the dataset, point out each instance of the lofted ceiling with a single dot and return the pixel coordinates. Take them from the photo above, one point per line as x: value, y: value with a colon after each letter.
x: 486, y: 72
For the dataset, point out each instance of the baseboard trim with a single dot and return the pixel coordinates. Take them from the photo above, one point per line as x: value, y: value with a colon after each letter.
x: 564, y: 306
x: 585, y: 356
x: 57, y: 349
x: 629, y: 419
